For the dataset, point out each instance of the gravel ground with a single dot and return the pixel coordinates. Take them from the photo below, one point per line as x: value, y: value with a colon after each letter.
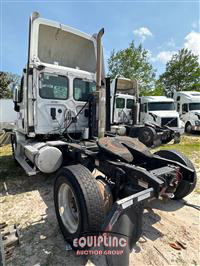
x: 28, y: 201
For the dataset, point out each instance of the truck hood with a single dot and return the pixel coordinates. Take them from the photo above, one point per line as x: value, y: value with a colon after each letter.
x: 165, y: 113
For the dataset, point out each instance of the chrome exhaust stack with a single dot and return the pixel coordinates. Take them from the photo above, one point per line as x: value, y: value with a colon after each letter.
x: 100, y: 91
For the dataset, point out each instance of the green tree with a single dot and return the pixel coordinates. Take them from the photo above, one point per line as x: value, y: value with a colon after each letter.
x: 5, y: 91
x: 182, y: 72
x: 7, y: 83
x: 158, y: 90
x: 133, y: 63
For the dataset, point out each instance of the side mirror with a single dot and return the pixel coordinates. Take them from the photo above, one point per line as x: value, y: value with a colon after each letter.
x: 16, y: 98
x: 16, y: 95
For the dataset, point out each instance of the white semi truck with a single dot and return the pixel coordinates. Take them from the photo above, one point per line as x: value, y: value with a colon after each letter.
x: 188, y: 107
x: 61, y: 130
x: 153, y: 109
x: 160, y: 110
x: 153, y: 119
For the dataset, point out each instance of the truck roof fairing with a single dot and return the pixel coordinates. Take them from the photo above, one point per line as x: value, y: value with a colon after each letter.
x: 58, y: 44
x: 125, y: 85
x: 191, y: 96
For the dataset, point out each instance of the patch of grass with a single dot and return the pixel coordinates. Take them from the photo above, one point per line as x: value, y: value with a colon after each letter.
x: 197, y: 190
x: 188, y: 146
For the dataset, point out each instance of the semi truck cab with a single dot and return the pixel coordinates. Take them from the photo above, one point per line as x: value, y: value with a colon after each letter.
x: 161, y: 111
x: 56, y: 83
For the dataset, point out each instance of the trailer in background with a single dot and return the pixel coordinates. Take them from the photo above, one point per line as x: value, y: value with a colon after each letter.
x: 7, y: 120
x: 7, y: 114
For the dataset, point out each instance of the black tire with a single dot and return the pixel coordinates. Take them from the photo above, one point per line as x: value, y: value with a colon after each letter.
x: 147, y: 135
x: 188, y: 127
x: 87, y: 196
x: 185, y: 187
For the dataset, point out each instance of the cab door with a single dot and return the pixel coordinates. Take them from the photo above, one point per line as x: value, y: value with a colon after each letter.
x: 20, y: 107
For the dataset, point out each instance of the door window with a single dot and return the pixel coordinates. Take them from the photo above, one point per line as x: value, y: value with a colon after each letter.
x: 82, y: 89
x: 129, y: 103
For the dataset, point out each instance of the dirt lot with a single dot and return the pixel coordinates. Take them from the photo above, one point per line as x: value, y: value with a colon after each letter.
x: 28, y: 201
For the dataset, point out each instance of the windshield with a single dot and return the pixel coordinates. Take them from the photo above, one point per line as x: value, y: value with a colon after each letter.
x: 194, y: 106
x: 129, y: 104
x: 161, y: 106
x: 53, y: 86
x: 82, y: 89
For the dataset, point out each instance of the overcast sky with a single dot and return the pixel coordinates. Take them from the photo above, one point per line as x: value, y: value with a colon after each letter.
x: 163, y: 26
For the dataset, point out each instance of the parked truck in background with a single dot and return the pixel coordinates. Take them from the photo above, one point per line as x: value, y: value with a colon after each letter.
x: 160, y: 110
x: 188, y: 107
x: 153, y: 119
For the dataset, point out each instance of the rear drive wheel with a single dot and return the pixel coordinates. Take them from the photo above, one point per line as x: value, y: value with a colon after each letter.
x: 185, y: 187
x: 188, y: 127
x: 78, y: 202
x: 147, y: 135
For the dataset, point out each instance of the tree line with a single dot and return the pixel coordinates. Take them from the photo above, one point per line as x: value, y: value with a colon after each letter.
x: 182, y: 72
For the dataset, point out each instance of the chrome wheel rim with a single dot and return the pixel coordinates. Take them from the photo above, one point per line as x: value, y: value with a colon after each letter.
x: 68, y: 208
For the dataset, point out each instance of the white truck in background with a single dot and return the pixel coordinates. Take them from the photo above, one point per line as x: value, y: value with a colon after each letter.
x: 152, y: 109
x: 160, y: 110
x: 152, y: 119
x: 188, y: 106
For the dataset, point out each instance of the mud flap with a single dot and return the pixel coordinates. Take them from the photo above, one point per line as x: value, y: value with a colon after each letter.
x: 125, y: 221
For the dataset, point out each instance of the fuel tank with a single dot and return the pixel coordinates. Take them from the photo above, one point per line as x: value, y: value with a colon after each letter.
x: 48, y: 159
